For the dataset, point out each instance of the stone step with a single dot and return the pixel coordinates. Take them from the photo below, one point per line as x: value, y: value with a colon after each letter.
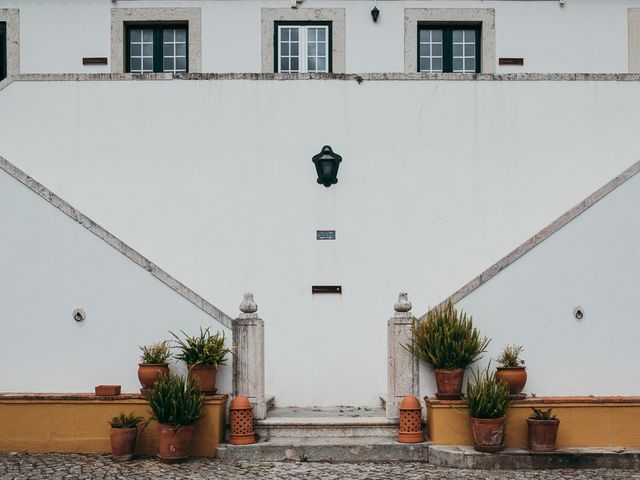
x: 326, y: 449
x: 349, y: 422
x: 465, y: 457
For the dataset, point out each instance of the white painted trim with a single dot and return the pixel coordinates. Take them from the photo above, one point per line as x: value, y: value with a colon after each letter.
x: 116, y: 243
x: 484, y: 16
x: 634, y: 40
x: 120, y: 16
x: 334, y: 15
x: 542, y: 235
x: 12, y: 18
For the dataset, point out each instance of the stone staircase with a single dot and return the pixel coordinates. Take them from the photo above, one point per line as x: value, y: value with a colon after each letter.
x: 347, y: 434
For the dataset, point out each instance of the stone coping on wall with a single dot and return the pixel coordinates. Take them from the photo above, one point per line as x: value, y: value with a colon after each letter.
x: 64, y: 396
x: 534, y: 401
x: 116, y: 243
x: 548, y: 77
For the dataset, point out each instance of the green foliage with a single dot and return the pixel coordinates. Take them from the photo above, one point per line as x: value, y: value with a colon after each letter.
x: 510, y: 356
x: 540, y: 414
x: 175, y: 400
x: 203, y: 349
x: 447, y: 339
x: 487, y: 397
x: 155, y: 353
x: 126, y: 420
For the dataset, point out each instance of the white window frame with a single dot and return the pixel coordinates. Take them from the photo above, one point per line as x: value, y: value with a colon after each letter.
x: 303, y: 46
x: 302, y: 15
x: 191, y: 16
x: 485, y: 17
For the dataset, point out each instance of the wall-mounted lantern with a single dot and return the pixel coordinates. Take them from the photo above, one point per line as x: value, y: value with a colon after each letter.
x: 327, y: 163
x: 375, y: 13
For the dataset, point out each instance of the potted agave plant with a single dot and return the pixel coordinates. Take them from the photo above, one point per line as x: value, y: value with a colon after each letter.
x: 124, y: 431
x: 543, y: 430
x: 175, y: 402
x: 488, y: 400
x: 203, y: 354
x: 153, y: 363
x: 512, y: 371
x: 447, y: 340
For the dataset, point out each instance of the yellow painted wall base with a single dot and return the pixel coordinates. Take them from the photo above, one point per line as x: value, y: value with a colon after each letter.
x: 78, y: 423
x: 584, y: 421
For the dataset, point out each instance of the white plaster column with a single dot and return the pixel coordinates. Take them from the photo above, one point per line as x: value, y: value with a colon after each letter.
x: 402, y: 366
x: 248, y: 361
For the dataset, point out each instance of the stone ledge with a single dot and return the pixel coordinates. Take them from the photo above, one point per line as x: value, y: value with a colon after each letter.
x: 83, y: 397
x: 533, y: 401
x: 516, y: 458
x: 549, y: 77
x: 321, y: 449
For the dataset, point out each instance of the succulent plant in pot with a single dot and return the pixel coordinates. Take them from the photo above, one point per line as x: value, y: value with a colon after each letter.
x: 543, y: 430
x: 124, y: 431
x: 447, y: 340
x: 153, y: 363
x: 175, y: 402
x: 512, y: 371
x: 203, y: 354
x: 488, y: 400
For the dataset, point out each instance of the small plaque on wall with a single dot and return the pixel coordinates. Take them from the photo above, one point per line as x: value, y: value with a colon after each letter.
x: 326, y: 289
x: 325, y: 234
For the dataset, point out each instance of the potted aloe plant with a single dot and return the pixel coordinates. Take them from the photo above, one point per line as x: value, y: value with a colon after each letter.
x: 175, y: 402
x: 512, y: 371
x: 124, y: 431
x: 203, y: 354
x: 153, y: 363
x: 488, y: 400
x: 447, y: 340
x: 543, y: 430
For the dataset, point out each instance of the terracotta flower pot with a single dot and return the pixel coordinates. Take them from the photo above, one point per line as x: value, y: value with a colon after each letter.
x: 123, y: 442
x: 174, y: 443
x: 449, y: 383
x: 543, y: 434
x: 205, y: 376
x: 515, y: 377
x: 488, y: 434
x: 148, y: 373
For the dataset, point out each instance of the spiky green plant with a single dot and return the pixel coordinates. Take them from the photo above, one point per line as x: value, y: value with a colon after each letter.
x: 175, y: 400
x: 155, y: 353
x: 486, y: 396
x: 203, y: 349
x: 540, y: 414
x: 510, y: 356
x: 126, y: 420
x: 447, y: 339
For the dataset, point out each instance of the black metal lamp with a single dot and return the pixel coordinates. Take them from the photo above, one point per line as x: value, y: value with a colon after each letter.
x: 375, y: 13
x: 327, y: 163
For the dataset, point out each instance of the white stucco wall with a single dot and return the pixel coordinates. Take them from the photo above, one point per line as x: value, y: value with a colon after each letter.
x: 593, y: 262
x: 50, y: 266
x: 582, y: 36
x: 213, y: 181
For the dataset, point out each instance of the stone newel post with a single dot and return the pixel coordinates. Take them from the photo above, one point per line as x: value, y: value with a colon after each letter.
x: 248, y: 362
x: 402, y: 366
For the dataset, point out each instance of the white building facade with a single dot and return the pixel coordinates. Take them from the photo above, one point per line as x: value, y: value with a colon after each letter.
x: 187, y: 130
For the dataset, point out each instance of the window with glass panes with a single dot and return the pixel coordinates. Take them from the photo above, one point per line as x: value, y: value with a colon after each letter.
x: 157, y: 48
x: 3, y: 50
x: 303, y: 48
x: 453, y: 49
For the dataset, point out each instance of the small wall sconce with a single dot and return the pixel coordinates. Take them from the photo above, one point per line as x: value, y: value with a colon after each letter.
x: 375, y: 13
x: 578, y: 312
x: 327, y: 163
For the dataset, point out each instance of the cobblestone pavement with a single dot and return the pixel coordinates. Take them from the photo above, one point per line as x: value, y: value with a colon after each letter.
x: 95, y: 467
